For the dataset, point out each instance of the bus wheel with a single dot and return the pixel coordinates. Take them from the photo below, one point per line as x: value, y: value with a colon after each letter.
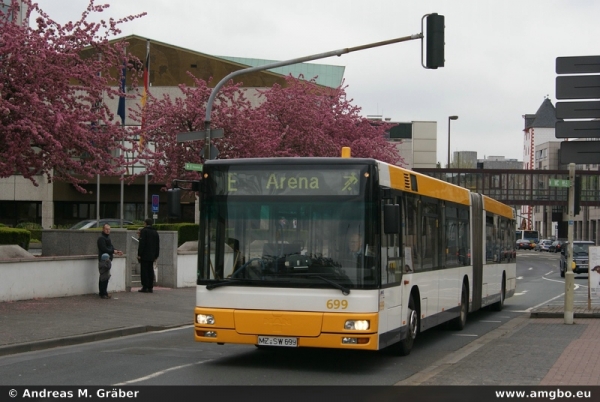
x: 498, y: 305
x: 404, y: 347
x: 459, y: 322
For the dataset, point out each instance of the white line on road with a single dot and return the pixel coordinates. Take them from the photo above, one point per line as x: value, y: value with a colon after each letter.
x: 159, y: 373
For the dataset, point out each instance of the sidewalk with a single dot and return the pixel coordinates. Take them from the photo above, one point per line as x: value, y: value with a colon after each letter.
x: 536, y: 348
x: 46, y: 323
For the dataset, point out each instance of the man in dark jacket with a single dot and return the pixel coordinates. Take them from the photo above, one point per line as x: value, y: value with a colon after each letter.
x: 148, y: 250
x: 105, y: 244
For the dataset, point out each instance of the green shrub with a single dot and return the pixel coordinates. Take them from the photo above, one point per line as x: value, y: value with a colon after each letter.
x: 29, y: 225
x: 185, y: 231
x: 19, y: 237
x: 36, y: 234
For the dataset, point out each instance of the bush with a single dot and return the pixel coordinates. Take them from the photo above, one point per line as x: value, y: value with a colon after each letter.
x: 19, y: 237
x: 36, y: 234
x: 185, y: 231
x: 29, y: 226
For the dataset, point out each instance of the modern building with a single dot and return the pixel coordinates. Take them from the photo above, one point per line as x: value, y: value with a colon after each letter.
x: 499, y: 162
x: 416, y: 141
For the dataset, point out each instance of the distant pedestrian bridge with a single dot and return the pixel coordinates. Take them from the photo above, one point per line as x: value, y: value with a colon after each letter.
x: 522, y: 187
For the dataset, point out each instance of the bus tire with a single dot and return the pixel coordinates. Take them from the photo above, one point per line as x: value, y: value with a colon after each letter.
x: 500, y: 304
x: 404, y: 347
x: 459, y: 322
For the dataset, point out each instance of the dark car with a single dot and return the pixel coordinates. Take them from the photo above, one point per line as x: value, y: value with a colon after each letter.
x: 93, y: 223
x: 524, y: 244
x: 581, y: 249
x: 556, y: 246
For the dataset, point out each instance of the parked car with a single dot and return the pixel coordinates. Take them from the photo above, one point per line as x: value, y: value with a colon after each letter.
x: 556, y: 246
x: 581, y: 257
x: 543, y: 245
x: 524, y: 244
x: 92, y: 223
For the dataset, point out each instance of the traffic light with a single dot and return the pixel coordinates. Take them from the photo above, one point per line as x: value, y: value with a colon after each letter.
x: 174, y: 203
x: 577, y: 197
x: 434, y: 40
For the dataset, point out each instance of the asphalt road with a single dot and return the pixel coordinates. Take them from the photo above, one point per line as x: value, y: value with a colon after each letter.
x: 173, y: 358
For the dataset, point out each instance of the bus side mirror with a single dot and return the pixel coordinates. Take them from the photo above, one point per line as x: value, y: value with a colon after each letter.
x: 391, y: 218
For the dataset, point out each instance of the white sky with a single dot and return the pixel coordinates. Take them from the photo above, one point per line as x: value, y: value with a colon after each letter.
x: 500, y: 55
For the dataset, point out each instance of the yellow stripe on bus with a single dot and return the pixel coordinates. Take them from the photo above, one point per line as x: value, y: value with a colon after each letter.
x: 428, y: 186
x: 496, y: 207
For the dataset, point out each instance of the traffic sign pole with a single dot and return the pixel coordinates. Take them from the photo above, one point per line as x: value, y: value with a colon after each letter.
x: 569, y: 275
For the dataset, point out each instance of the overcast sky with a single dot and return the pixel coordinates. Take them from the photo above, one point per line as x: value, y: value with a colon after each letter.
x: 500, y: 55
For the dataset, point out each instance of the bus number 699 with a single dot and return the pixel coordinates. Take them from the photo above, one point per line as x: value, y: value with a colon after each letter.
x: 337, y: 304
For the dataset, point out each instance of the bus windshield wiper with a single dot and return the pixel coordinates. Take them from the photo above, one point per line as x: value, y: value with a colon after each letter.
x: 345, y: 290
x: 225, y: 282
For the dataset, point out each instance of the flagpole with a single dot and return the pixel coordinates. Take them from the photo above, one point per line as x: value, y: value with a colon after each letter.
x: 146, y: 85
x: 98, y: 175
x: 121, y: 112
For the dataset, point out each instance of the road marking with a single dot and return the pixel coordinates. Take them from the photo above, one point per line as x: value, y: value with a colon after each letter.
x: 488, y: 321
x: 159, y: 373
x: 475, y: 335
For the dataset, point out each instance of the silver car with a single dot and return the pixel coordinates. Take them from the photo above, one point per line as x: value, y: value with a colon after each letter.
x: 543, y: 245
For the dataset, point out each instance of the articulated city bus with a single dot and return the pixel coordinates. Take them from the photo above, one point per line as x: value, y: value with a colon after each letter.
x: 343, y: 253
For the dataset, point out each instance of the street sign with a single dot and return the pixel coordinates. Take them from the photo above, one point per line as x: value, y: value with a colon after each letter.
x: 559, y: 182
x: 578, y: 65
x: 580, y: 152
x: 577, y: 129
x: 155, y: 202
x: 578, y: 110
x: 214, y: 152
x: 200, y: 135
x: 578, y: 87
x: 194, y: 166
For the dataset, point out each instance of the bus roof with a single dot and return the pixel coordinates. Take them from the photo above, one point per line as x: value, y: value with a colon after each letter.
x: 414, y: 182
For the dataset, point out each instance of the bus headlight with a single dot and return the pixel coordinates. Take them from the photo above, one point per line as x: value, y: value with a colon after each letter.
x: 357, y: 325
x: 207, y: 319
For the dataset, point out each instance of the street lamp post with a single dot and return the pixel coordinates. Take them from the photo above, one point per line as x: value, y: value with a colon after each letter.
x: 450, y: 118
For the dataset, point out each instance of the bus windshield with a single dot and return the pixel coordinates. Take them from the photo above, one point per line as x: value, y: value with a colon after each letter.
x: 268, y: 227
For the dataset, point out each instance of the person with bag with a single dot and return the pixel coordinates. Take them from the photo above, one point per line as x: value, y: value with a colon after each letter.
x: 148, y: 251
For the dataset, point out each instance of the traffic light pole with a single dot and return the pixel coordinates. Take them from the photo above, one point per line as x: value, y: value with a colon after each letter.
x: 339, y: 52
x: 569, y: 275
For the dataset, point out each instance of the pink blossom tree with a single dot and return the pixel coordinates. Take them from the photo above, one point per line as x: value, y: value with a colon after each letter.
x: 300, y: 119
x: 52, y: 119
x: 304, y: 119
x: 164, y: 118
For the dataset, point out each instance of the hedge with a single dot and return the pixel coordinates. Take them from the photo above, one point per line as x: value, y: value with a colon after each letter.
x: 19, y: 237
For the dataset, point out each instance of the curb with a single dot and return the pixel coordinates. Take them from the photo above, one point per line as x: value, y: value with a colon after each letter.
x: 553, y: 314
x: 84, y: 338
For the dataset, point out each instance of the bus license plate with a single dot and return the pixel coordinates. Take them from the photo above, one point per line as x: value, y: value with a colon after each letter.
x: 277, y: 341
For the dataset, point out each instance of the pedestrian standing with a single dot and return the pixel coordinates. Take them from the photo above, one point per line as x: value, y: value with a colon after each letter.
x: 104, y: 267
x: 148, y: 251
x: 105, y: 244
